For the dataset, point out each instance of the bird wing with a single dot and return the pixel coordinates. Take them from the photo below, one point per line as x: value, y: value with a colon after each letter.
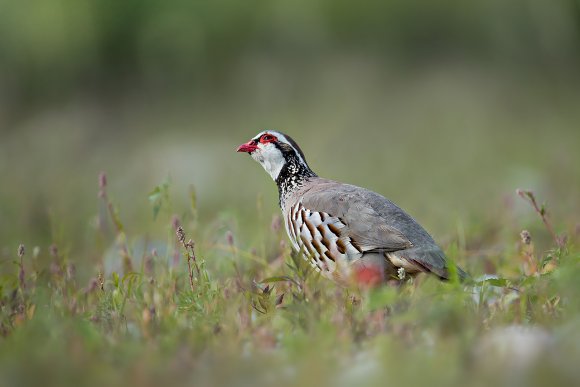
x: 363, y: 225
x: 428, y: 260
x: 374, y: 223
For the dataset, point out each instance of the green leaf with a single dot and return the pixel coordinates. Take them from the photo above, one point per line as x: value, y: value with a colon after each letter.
x: 276, y: 279
x: 156, y: 209
x: 116, y: 219
x: 155, y: 199
x: 282, y: 278
x: 155, y: 194
x: 115, y: 277
x: 132, y: 276
x: 158, y: 196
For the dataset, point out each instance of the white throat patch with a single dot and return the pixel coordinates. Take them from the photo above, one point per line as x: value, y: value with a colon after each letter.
x: 271, y: 158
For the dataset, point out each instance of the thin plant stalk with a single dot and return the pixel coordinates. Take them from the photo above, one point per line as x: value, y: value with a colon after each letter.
x: 191, y: 258
x: 530, y: 198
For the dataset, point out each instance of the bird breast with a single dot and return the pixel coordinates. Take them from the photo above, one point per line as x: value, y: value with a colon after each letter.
x: 321, y: 239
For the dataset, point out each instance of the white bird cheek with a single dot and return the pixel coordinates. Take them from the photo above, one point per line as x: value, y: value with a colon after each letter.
x: 271, y: 159
x: 257, y: 155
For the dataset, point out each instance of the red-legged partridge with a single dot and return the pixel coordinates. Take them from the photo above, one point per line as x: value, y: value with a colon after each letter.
x: 345, y: 232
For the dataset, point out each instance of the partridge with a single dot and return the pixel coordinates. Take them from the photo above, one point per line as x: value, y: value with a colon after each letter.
x: 344, y: 231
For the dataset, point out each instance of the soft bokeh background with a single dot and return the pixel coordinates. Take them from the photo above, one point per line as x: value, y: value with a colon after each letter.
x: 446, y: 107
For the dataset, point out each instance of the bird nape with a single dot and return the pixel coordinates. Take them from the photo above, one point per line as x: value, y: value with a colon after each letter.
x: 347, y: 233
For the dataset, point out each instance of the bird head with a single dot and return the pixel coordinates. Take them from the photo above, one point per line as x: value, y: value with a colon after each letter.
x: 274, y: 151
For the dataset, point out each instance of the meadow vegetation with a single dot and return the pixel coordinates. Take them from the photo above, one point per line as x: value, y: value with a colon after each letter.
x: 208, y: 312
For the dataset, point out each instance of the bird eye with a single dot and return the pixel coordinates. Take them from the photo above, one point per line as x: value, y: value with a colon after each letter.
x: 267, y: 138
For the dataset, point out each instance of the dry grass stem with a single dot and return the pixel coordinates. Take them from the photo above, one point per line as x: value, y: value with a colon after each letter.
x: 191, y: 258
x: 541, y: 210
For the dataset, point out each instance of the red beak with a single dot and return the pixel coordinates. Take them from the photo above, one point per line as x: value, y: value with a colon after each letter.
x: 249, y: 147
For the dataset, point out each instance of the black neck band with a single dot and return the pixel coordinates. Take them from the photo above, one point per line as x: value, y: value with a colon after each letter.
x: 292, y: 176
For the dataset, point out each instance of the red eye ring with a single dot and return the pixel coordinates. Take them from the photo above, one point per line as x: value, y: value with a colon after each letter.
x: 266, y: 138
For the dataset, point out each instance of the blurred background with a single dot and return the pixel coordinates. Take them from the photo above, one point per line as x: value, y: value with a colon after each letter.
x: 445, y: 107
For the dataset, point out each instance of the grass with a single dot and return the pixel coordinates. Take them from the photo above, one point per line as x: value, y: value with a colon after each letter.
x: 163, y: 309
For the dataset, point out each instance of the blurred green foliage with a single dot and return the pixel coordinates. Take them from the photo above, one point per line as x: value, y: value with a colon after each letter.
x: 446, y: 107
x: 51, y: 49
